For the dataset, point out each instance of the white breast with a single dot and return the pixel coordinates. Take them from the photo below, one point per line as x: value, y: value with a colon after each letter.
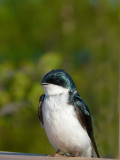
x: 63, y: 129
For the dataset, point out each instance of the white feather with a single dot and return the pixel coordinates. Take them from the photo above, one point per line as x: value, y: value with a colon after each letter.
x: 63, y: 129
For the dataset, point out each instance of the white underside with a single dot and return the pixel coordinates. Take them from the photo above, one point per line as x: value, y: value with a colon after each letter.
x: 63, y: 129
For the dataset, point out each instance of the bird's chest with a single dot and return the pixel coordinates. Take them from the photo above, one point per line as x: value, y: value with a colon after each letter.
x: 59, y: 119
x: 62, y: 126
x: 55, y: 110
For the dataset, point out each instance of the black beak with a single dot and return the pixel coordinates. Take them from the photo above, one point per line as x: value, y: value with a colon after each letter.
x: 44, y: 83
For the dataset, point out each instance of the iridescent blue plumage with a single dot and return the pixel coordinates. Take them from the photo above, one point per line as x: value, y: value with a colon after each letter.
x: 61, y: 78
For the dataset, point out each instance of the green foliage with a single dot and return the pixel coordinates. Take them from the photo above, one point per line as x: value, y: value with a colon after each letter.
x: 81, y: 37
x: 19, y: 86
x: 53, y: 59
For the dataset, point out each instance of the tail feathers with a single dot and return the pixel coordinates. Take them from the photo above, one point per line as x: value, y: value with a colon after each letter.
x: 94, y: 154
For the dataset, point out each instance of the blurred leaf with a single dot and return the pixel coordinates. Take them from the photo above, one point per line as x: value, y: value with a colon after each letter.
x: 35, y: 93
x: 21, y: 82
x: 49, y: 61
x: 4, y: 97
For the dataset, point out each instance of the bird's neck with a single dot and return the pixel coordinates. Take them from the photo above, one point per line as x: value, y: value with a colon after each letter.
x: 55, y: 90
x: 61, y: 98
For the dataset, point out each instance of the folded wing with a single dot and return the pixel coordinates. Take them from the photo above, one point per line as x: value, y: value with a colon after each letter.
x: 40, y: 115
x: 84, y: 117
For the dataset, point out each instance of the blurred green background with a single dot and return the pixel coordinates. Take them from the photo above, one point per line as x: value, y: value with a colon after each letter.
x: 82, y: 37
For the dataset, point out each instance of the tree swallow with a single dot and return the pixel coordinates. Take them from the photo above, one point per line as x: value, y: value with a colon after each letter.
x: 65, y: 116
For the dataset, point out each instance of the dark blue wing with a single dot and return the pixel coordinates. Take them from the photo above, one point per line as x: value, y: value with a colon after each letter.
x: 40, y: 115
x: 84, y: 117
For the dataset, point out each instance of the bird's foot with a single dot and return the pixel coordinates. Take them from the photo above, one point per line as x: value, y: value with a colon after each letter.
x: 62, y: 154
x: 57, y: 154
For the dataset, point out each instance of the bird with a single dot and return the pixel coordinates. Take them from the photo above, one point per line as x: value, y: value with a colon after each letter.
x: 66, y: 116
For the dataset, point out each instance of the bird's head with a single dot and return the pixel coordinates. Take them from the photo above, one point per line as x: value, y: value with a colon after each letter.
x: 57, y: 82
